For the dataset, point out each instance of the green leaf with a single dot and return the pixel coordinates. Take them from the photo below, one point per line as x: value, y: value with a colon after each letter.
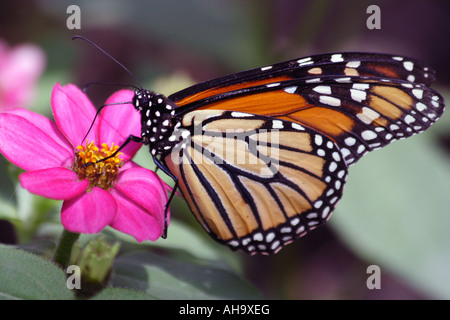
x: 395, y: 213
x: 8, y: 209
x: 166, y: 278
x: 26, y: 276
x: 184, y: 238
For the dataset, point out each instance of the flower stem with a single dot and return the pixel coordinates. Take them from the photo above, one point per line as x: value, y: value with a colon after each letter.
x: 64, y: 249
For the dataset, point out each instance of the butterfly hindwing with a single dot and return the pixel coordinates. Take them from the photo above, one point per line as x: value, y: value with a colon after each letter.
x: 256, y: 183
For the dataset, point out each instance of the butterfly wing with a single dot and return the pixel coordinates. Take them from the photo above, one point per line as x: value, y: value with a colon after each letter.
x: 329, y: 111
x: 255, y: 183
x: 313, y: 68
x: 361, y: 101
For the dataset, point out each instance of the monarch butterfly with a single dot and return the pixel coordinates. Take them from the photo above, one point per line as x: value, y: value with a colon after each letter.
x: 261, y: 156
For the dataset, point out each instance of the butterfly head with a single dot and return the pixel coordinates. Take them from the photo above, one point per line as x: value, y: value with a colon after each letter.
x: 158, y: 120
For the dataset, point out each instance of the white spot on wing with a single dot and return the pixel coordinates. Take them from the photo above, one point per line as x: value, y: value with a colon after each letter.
x: 240, y: 114
x: 322, y: 89
x: 270, y: 236
x: 418, y: 93
x: 277, y: 124
x: 325, y: 212
x: 367, y: 115
x: 318, y: 139
x: 336, y: 156
x: 368, y: 135
x: 350, y: 141
x: 358, y: 95
x: 258, y: 237
x: 343, y: 80
x: 333, y: 166
x: 353, y: 64
x: 336, y: 58
x: 313, y: 80
x: 290, y: 89
x: 297, y: 126
x: 420, y: 106
x: 345, y: 152
x: 408, y: 65
x: 331, y: 101
x: 361, y: 86
x: 315, y: 71
x: 409, y: 119
x: 305, y: 61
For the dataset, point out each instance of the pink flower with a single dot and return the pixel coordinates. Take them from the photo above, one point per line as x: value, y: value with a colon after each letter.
x: 20, y: 68
x: 116, y: 192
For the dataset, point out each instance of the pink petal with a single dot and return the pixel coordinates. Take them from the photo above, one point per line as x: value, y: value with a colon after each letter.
x: 30, y: 148
x: 20, y: 68
x: 142, y: 198
x: 118, y: 122
x: 131, y: 164
x: 145, y: 188
x: 74, y: 113
x: 89, y: 212
x: 23, y: 65
x: 46, y: 125
x: 53, y: 183
x: 134, y: 220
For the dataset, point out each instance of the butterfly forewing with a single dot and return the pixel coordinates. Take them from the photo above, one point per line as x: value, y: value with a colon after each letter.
x: 312, y: 68
x: 358, y: 113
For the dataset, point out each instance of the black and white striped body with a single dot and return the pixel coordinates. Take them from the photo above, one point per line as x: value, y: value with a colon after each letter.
x: 159, y: 124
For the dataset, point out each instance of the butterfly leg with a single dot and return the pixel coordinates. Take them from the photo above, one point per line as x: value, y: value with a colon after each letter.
x: 159, y: 165
x: 129, y: 139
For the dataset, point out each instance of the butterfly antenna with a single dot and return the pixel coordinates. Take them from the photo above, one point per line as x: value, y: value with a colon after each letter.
x: 110, y: 56
x: 93, y: 121
x: 98, y: 113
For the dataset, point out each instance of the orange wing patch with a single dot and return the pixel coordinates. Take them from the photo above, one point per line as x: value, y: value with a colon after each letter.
x: 215, y: 91
x: 331, y: 122
x: 288, y: 106
x: 272, y: 103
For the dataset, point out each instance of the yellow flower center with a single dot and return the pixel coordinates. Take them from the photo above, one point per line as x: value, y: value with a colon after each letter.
x: 101, y: 173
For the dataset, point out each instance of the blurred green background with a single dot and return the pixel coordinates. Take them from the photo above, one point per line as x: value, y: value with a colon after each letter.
x: 395, y: 212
